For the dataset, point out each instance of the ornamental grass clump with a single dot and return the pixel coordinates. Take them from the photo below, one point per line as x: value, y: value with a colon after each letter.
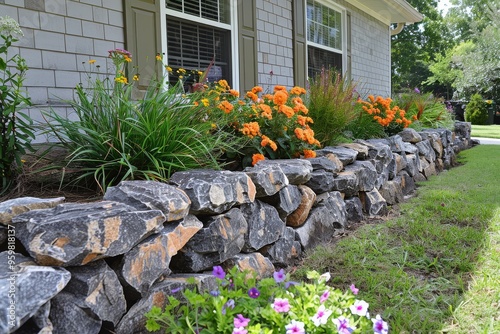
x: 276, y: 126
x: 117, y: 138
x: 389, y: 116
x: 242, y: 304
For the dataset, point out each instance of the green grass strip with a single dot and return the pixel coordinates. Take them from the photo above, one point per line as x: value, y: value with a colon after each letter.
x: 486, y: 131
x: 434, y: 265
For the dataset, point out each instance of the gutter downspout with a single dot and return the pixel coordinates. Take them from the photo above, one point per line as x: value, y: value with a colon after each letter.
x: 399, y: 27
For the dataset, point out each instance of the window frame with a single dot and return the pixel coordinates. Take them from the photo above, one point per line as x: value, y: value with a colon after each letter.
x: 344, y: 35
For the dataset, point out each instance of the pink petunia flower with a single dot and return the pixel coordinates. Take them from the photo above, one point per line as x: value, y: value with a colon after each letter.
x: 281, y: 305
x: 360, y: 308
x: 321, y: 316
x: 295, y: 327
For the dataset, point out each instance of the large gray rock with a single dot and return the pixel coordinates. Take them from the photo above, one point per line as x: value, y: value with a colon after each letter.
x: 328, y: 216
x: 268, y: 179
x: 68, y: 315
x: 222, y: 238
x: 96, y: 288
x: 214, y: 192
x: 373, y: 203
x: 365, y: 172
x: 297, y: 171
x: 150, y: 260
x: 396, y: 143
x: 25, y: 287
x: 392, y: 191
x: 354, y: 209
x: 307, y: 200
x: 151, y: 195
x: 345, y: 155
x: 410, y: 135
x: 407, y: 183
x: 286, y: 201
x: 328, y: 162
x: 134, y: 322
x: 76, y: 234
x: 358, y: 147
x: 425, y: 149
x: 347, y: 182
x: 13, y: 207
x: 321, y: 181
x: 253, y: 263
x: 264, y: 225
x: 412, y: 164
x: 285, y: 250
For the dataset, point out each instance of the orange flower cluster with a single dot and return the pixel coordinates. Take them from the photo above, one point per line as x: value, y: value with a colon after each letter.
x: 251, y: 129
x: 383, y: 113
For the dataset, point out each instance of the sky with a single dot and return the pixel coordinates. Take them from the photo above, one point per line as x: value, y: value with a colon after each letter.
x: 443, y: 5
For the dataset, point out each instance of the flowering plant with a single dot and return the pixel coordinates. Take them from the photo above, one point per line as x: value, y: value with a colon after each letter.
x: 243, y: 305
x: 276, y: 125
x: 391, y: 118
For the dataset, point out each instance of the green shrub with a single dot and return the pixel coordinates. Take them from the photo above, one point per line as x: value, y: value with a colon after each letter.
x: 364, y: 126
x: 15, y: 127
x: 116, y: 138
x: 476, y: 110
x: 331, y: 104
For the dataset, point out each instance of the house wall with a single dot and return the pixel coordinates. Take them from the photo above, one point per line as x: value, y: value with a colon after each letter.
x: 60, y: 37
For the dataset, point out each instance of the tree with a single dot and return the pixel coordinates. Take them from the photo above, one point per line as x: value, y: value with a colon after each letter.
x: 418, y: 45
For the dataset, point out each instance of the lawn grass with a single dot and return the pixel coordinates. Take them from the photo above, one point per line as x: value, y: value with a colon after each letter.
x: 434, y: 267
x: 486, y: 131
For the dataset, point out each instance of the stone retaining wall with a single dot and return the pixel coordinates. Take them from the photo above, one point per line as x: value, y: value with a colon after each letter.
x: 98, y: 267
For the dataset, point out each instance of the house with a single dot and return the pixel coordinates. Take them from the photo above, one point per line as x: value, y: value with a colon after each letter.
x: 264, y: 42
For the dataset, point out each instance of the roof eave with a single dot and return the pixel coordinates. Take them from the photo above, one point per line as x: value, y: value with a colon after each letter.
x: 389, y: 11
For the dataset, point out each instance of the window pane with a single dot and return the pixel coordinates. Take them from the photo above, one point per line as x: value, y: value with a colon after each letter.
x: 193, y: 46
x: 215, y: 10
x: 319, y: 58
x: 324, y: 25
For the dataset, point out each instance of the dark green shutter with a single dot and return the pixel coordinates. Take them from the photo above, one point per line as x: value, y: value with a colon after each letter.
x: 143, y: 37
x: 299, y: 43
x: 348, y: 53
x: 247, y: 42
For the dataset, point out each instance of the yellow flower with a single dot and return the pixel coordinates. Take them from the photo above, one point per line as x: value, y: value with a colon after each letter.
x: 127, y: 59
x: 205, y: 102
x: 169, y: 69
x: 158, y: 56
x: 136, y: 77
x: 122, y: 80
x: 91, y: 61
x: 180, y: 77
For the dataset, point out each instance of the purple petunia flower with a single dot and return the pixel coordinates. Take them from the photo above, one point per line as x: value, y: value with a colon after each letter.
x: 343, y: 326
x: 219, y: 272
x: 228, y: 304
x: 290, y: 283
x: 295, y: 327
x: 240, y: 321
x: 215, y: 293
x: 279, y: 276
x: 239, y: 330
x: 417, y: 90
x: 281, y: 305
x: 254, y: 293
x: 324, y: 296
x: 354, y: 289
x: 379, y: 325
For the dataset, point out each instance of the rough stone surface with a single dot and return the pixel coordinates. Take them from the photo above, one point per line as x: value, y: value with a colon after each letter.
x: 76, y: 234
x: 412, y: 164
x: 365, y: 172
x: 268, y: 179
x: 396, y: 143
x: 347, y: 182
x: 68, y: 316
x: 286, y: 201
x: 373, y: 203
x: 32, y: 286
x: 264, y: 225
x: 307, y: 199
x: 151, y: 195
x: 96, y: 287
x: 222, y: 237
x: 410, y: 135
x: 214, y: 192
x: 150, y: 259
x: 297, y: 171
x: 425, y: 149
x: 392, y: 192
x: 134, y: 321
x: 345, y: 155
x: 354, y: 209
x: 328, y: 162
x: 285, y: 250
x: 328, y: 216
x: 253, y: 262
x: 321, y: 181
x: 407, y: 183
x: 13, y: 207
x: 358, y: 147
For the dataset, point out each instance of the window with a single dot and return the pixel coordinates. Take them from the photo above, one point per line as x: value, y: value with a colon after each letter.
x: 199, y: 32
x: 325, y: 37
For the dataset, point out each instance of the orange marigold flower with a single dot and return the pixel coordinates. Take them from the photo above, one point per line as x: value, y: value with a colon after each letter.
x: 268, y: 97
x: 266, y: 111
x: 299, y: 133
x: 309, y: 136
x: 288, y: 111
x: 297, y: 90
x: 309, y: 154
x: 225, y: 106
x: 223, y: 83
x: 257, y: 89
x: 256, y: 158
x: 303, y: 120
x: 252, y: 96
x: 267, y: 141
x: 280, y: 97
x: 251, y: 129
x: 196, y: 103
x: 414, y: 117
x: 234, y: 93
x: 279, y: 88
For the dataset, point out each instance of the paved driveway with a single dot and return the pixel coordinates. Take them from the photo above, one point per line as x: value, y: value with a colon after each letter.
x: 487, y: 141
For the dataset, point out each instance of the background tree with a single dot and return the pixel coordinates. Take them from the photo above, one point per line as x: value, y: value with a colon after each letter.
x: 417, y: 46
